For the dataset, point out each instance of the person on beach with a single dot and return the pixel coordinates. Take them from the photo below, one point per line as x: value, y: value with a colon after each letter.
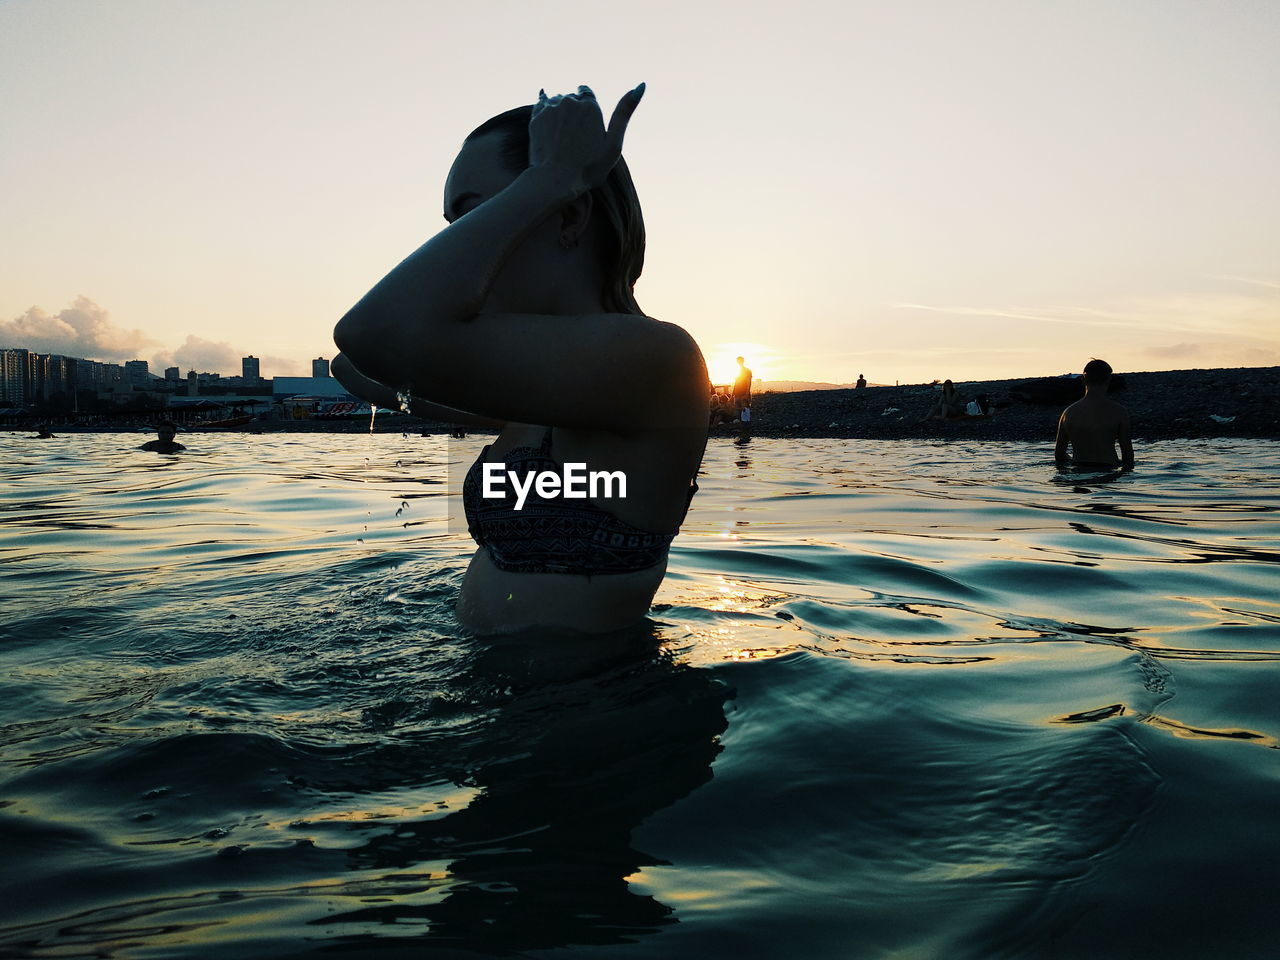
x: 742, y: 385
x: 717, y: 409
x: 862, y: 382
x: 1094, y: 426
x: 948, y: 405
x: 166, y: 430
x: 520, y: 315
x: 742, y: 400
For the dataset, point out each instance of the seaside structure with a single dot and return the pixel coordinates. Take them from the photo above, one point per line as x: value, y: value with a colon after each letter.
x: 137, y: 372
x: 249, y: 369
x: 299, y: 398
x: 285, y: 387
x: 320, y: 367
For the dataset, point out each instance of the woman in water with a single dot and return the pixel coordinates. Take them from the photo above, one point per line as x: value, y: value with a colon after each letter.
x: 520, y: 314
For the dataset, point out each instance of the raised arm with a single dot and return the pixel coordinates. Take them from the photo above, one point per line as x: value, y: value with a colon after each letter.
x: 427, y: 328
x: 379, y: 394
x: 390, y: 333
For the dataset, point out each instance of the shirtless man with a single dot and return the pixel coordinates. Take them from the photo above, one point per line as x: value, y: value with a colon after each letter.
x: 1094, y: 425
x: 742, y: 401
x: 164, y: 442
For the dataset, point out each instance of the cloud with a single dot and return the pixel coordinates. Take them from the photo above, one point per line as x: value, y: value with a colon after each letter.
x: 86, y: 330
x: 891, y: 354
x: 1269, y: 284
x: 218, y: 356
x: 1204, y: 314
x: 1227, y: 353
x: 83, y: 329
x: 197, y: 353
x: 282, y: 367
x: 1013, y: 314
x: 1178, y: 351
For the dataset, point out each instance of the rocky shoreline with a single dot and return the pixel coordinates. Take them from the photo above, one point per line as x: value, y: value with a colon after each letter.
x: 1174, y: 404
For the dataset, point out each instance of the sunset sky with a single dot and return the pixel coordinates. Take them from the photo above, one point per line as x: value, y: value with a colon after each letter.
x: 907, y: 190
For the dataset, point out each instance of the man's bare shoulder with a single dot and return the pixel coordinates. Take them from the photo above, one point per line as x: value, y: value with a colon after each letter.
x: 1074, y: 409
x: 1095, y: 406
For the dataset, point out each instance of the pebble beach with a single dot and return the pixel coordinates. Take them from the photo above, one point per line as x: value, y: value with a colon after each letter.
x: 1166, y: 405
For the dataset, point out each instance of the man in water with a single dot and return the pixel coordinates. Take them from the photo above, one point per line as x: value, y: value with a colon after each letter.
x: 164, y: 443
x: 1094, y: 425
x: 742, y: 401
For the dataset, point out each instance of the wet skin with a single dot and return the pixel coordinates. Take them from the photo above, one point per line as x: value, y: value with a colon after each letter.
x: 500, y: 320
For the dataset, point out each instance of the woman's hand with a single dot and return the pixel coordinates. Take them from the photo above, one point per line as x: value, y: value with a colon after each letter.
x: 567, y: 135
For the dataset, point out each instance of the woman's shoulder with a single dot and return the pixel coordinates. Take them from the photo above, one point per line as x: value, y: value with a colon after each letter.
x: 680, y: 346
x: 665, y: 334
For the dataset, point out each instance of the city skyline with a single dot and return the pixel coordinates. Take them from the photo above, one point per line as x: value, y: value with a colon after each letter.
x: 249, y: 365
x: 915, y: 191
x: 61, y: 385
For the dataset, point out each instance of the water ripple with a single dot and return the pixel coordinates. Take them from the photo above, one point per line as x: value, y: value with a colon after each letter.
x: 882, y: 681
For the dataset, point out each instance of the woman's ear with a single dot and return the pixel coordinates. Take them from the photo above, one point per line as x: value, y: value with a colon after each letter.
x: 574, y: 218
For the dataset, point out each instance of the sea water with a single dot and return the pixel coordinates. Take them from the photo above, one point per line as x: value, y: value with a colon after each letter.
x: 894, y: 700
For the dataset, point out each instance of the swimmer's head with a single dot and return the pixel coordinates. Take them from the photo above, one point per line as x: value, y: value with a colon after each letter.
x: 1097, y: 371
x: 615, y: 207
x: 166, y: 429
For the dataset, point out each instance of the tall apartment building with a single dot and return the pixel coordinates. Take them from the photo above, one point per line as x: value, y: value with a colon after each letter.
x: 15, y: 377
x: 94, y: 376
x: 50, y: 375
x: 249, y: 369
x: 320, y: 367
x: 28, y: 378
x: 137, y: 372
x: 173, y: 373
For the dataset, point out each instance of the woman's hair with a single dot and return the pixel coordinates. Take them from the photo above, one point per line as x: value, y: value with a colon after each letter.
x: 623, y: 253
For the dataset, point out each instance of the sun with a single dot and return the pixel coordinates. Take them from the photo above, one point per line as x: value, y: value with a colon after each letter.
x: 722, y: 362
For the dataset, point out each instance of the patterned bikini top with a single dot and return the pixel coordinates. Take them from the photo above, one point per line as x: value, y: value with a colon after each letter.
x: 554, y: 535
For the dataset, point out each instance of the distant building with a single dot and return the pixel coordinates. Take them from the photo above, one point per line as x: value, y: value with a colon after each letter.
x: 249, y: 369
x: 49, y: 375
x: 137, y: 372
x: 283, y: 387
x: 28, y: 378
x: 172, y: 373
x: 319, y: 367
x: 95, y: 377
x: 15, y: 377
